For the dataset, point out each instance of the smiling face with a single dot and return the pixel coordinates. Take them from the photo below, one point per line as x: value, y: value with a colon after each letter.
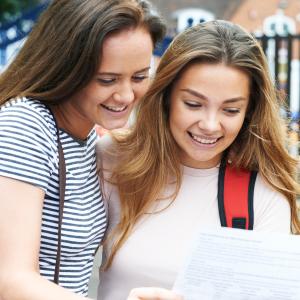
x: 122, y: 79
x: 207, y: 109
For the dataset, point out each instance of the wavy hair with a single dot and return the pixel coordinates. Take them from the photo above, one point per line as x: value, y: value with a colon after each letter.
x: 63, y: 51
x: 149, y: 153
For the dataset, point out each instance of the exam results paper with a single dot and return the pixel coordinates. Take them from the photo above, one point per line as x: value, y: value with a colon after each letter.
x: 235, y: 264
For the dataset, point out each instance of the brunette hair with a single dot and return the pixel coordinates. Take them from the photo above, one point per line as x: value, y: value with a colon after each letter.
x: 63, y: 51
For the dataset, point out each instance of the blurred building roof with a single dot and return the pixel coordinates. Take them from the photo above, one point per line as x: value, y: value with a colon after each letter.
x: 222, y: 9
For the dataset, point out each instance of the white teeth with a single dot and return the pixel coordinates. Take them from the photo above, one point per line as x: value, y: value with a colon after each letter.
x: 203, y: 140
x: 115, y: 108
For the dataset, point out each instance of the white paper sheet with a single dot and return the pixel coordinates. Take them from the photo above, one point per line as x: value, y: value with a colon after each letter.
x: 234, y: 264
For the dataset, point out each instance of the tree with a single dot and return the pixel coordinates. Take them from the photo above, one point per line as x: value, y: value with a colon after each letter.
x: 10, y: 9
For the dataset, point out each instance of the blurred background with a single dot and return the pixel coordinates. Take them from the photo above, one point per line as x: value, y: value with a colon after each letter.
x: 276, y: 24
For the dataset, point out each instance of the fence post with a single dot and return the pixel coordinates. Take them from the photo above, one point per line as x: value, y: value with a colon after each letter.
x: 289, y: 68
x: 2, y: 57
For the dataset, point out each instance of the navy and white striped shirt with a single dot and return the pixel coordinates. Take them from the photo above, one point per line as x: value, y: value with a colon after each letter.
x: 28, y: 152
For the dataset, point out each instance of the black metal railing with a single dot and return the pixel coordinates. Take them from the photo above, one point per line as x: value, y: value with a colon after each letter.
x: 283, y: 52
x: 291, y: 45
x: 17, y: 29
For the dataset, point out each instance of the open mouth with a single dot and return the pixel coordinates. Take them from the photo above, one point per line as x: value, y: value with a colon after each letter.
x: 204, y: 140
x: 115, y: 108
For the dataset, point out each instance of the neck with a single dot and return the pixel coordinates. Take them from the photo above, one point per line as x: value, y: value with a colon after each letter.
x: 71, y: 121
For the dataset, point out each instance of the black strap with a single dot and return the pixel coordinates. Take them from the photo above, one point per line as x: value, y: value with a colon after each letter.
x: 62, y: 187
x: 239, y: 223
x: 220, y: 196
x: 250, y: 199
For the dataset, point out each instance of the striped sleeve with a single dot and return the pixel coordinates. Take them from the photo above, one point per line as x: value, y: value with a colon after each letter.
x: 26, y: 153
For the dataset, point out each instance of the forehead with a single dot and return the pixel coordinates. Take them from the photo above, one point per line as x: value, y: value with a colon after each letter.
x: 214, y: 80
x: 131, y: 46
x: 125, y: 35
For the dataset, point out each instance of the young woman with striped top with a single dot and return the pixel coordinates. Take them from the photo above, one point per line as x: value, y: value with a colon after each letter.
x: 85, y: 63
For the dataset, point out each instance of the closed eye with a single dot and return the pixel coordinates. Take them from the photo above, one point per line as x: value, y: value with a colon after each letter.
x: 192, y: 104
x: 106, y: 81
x: 139, y: 78
x: 232, y: 111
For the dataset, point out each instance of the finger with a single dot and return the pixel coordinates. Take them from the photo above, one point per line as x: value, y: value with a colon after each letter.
x: 151, y: 293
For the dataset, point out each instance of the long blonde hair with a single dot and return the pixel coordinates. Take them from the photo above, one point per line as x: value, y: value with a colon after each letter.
x: 149, y: 154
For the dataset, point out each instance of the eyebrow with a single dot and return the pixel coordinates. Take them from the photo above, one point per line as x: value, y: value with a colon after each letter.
x: 203, y: 97
x: 118, y: 74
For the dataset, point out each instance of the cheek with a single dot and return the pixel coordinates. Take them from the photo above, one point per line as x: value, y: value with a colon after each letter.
x: 102, y: 94
x: 141, y: 89
x: 96, y: 92
x: 178, y: 123
x: 235, y: 128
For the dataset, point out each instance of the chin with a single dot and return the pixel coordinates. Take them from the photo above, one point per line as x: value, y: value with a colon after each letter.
x: 116, y: 126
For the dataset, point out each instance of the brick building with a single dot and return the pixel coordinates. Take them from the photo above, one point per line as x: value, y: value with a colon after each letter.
x: 223, y: 9
x: 251, y: 14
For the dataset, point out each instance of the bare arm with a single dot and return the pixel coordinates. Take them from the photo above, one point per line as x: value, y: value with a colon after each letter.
x: 20, y: 225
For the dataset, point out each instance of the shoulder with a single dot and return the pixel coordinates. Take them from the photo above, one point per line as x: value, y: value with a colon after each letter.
x: 28, y: 150
x: 26, y: 113
x: 272, y: 210
x: 106, y: 152
x: 106, y: 148
x: 267, y: 194
x: 27, y: 106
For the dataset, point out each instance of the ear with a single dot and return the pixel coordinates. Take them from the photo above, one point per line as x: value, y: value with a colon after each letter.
x: 231, y: 155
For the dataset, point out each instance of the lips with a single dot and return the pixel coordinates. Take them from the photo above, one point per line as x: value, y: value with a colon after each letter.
x: 115, y: 108
x: 203, y: 139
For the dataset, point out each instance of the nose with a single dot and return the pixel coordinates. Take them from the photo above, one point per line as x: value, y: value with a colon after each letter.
x: 209, y: 122
x: 124, y: 94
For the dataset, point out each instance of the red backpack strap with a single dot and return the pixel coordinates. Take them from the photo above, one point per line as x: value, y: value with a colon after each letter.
x: 235, y: 197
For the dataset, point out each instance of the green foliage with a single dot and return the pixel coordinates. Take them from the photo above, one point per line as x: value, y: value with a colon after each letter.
x: 10, y: 9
